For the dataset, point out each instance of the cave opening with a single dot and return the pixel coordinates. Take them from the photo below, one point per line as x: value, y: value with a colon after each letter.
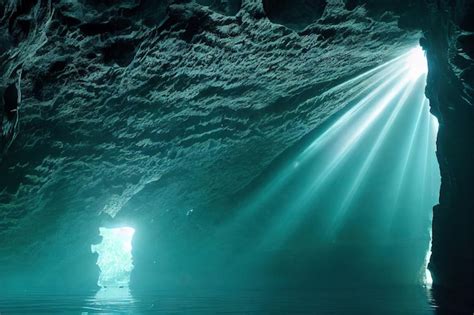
x: 114, y: 256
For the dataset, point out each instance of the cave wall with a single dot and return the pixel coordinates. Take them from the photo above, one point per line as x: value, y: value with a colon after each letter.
x: 449, y: 39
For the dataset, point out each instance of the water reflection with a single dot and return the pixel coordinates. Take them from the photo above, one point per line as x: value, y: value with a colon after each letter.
x: 396, y: 300
x: 110, y: 299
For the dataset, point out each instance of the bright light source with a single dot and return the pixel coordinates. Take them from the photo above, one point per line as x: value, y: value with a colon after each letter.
x: 115, y: 256
x: 427, y: 278
x: 416, y: 62
x: 435, y: 122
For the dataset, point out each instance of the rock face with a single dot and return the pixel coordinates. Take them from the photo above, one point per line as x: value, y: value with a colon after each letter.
x: 449, y: 42
x: 141, y: 109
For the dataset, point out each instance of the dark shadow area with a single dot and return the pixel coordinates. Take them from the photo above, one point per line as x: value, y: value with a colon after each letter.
x: 295, y: 14
x: 452, y: 301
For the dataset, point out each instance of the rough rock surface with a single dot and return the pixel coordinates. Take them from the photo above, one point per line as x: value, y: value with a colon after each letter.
x: 185, y: 103
x: 449, y: 43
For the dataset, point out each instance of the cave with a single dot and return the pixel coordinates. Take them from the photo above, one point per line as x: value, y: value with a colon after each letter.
x: 236, y: 156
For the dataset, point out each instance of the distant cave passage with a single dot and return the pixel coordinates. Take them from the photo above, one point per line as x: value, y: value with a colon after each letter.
x: 115, y: 256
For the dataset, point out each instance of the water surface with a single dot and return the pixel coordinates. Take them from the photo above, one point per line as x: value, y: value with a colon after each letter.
x: 399, y: 300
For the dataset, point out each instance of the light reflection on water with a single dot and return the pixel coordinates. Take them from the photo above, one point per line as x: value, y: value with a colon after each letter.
x: 402, y: 300
x: 110, y: 299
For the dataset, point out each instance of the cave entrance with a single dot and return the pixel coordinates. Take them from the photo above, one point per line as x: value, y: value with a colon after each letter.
x: 114, y: 256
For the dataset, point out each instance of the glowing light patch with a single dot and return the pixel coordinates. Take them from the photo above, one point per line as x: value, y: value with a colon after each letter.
x: 435, y: 123
x: 427, y: 278
x: 114, y: 300
x: 115, y: 256
x: 416, y: 63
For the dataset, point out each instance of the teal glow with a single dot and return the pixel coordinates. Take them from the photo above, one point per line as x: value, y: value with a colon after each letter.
x: 114, y: 256
x: 370, y: 178
x: 416, y: 61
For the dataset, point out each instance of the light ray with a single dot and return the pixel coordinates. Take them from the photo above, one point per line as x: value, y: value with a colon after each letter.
x: 362, y: 128
x: 295, y: 213
x: 325, y: 137
x: 406, y: 158
x: 368, y: 162
x: 392, y: 73
x: 326, y: 195
x: 416, y: 61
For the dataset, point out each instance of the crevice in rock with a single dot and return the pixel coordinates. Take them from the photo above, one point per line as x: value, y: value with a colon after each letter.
x: 120, y: 52
x: 112, y: 26
x: 295, y: 14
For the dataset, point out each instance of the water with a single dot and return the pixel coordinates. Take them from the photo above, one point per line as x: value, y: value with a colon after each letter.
x: 397, y: 300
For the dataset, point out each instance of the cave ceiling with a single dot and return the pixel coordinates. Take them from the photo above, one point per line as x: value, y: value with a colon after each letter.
x: 176, y: 103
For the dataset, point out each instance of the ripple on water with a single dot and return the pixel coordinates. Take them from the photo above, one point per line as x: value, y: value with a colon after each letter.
x: 330, y: 301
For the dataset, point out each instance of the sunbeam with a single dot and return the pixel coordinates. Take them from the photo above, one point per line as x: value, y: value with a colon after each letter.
x: 362, y: 172
x: 373, y: 164
x: 339, y: 143
x: 366, y: 87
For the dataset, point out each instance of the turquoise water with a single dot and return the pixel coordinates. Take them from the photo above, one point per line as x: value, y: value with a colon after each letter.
x: 401, y: 300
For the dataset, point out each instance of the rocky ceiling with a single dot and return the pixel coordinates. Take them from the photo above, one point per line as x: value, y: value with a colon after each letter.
x: 118, y: 96
x: 175, y: 102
